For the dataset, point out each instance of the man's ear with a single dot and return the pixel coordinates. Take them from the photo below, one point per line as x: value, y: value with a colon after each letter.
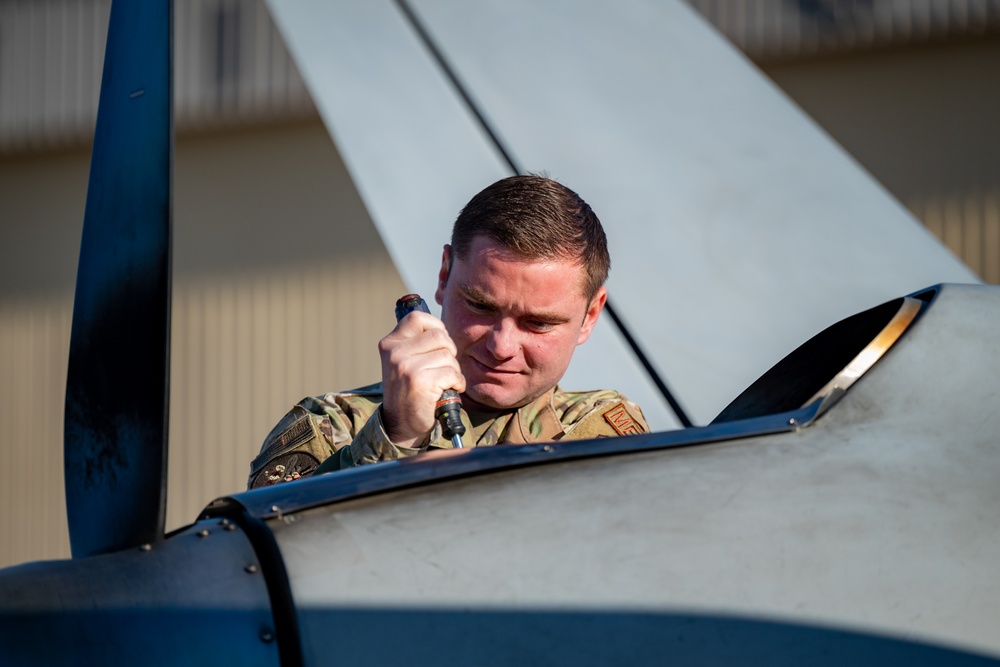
x: 443, y: 274
x: 593, y: 312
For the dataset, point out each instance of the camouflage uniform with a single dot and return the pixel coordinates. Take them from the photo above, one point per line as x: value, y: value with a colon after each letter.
x: 349, y: 426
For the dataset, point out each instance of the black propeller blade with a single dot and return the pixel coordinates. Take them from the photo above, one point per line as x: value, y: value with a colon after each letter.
x: 117, y: 387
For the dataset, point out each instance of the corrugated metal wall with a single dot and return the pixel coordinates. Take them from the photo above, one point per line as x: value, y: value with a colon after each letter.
x: 243, y: 353
x: 246, y: 304
x: 780, y: 29
x: 51, y: 58
x: 969, y: 224
x: 34, y: 348
x: 909, y: 87
x: 923, y: 122
x: 282, y: 289
x: 231, y: 68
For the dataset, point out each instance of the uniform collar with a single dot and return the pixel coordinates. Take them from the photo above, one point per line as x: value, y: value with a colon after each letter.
x: 542, y: 415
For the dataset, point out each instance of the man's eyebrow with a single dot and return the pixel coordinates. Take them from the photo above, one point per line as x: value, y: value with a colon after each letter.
x: 481, y: 299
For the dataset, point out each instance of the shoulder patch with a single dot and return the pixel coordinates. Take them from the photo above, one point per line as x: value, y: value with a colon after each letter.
x: 285, y: 467
x: 621, y: 421
x: 299, y: 431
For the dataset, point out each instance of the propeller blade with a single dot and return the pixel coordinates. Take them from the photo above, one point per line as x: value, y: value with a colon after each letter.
x: 115, y: 437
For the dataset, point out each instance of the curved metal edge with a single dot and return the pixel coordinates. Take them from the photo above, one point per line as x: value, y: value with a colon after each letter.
x: 835, y: 389
x: 187, y: 600
x: 273, y: 502
x: 272, y: 564
x: 446, y: 465
x: 928, y: 294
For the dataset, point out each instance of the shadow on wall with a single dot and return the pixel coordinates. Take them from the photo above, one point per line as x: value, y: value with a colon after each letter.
x: 244, y: 202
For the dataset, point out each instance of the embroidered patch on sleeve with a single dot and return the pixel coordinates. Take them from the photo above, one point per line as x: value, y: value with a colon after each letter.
x: 284, y: 468
x: 300, y: 431
x: 621, y: 421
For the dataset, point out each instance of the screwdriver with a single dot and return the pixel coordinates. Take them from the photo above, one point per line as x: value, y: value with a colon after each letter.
x: 448, y: 409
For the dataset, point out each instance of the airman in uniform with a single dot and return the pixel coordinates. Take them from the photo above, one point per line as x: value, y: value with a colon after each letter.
x: 520, y: 286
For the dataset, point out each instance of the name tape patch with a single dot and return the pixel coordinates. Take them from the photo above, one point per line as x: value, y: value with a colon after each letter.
x: 621, y: 421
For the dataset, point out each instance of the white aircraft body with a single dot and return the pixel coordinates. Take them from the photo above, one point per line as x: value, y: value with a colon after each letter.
x: 737, y: 227
x: 855, y: 529
x: 839, y: 511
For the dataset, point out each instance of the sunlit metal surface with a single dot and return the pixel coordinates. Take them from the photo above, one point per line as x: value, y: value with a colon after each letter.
x: 713, y: 186
x: 824, y: 366
x: 872, y: 519
x: 284, y: 499
x: 908, y: 311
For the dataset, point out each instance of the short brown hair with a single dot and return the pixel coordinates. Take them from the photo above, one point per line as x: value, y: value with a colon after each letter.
x: 536, y: 218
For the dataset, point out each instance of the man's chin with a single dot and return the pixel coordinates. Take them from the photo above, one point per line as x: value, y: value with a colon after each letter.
x: 488, y: 398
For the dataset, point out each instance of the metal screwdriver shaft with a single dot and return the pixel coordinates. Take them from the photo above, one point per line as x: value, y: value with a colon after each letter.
x: 448, y: 409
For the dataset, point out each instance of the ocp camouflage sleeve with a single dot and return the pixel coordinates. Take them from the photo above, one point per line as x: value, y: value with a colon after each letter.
x: 596, y: 414
x: 345, y: 429
x: 316, y: 428
x: 371, y: 444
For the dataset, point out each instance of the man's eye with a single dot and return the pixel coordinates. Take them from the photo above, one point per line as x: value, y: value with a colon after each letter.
x: 538, y: 325
x: 476, y: 306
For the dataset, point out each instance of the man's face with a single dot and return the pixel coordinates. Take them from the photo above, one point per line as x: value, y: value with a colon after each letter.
x: 515, y: 322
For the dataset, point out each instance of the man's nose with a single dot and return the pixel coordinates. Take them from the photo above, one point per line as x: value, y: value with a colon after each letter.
x: 504, y: 339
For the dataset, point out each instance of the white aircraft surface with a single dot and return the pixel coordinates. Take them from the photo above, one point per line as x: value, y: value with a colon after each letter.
x: 737, y: 227
x: 840, y: 510
x: 855, y: 528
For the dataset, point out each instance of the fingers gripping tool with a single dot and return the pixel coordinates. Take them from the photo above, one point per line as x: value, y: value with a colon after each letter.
x: 448, y: 409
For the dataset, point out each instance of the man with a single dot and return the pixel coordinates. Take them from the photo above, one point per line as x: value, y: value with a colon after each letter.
x: 520, y: 286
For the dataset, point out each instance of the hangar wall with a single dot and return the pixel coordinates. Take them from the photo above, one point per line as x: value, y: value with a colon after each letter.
x: 908, y: 88
x: 280, y: 284
x: 922, y: 121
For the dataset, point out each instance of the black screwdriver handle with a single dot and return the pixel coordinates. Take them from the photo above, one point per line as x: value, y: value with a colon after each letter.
x: 448, y: 409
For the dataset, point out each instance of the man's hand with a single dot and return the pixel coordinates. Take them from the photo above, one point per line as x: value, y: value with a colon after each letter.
x: 418, y: 363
